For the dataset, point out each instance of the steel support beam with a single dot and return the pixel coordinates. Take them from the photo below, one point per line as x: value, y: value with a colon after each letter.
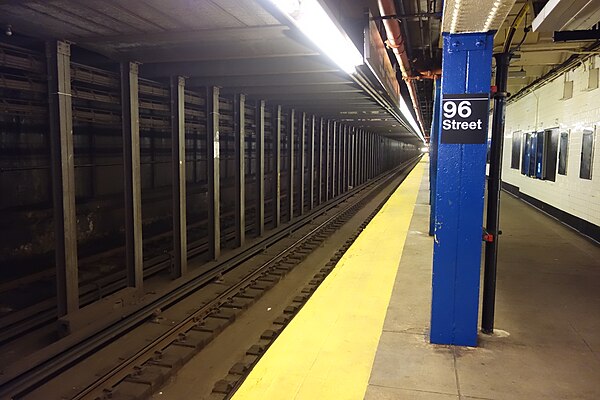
x: 371, y: 155
x: 302, y: 162
x: 320, y: 164
x: 433, y: 149
x: 341, y: 158
x: 361, y: 159
x: 63, y: 176
x: 367, y: 156
x: 132, y: 174
x: 354, y: 157
x: 290, y: 156
x: 377, y: 154
x: 260, y: 167
x: 340, y: 152
x: 239, y: 131
x: 344, y: 164
x: 213, y: 173
x: 351, y: 137
x: 276, y: 124
x: 178, y: 165
x: 334, y: 175
x: 327, y: 160
x: 351, y: 134
x: 312, y: 162
x: 467, y: 61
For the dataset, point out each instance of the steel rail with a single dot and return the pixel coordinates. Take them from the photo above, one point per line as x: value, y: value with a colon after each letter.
x: 121, y: 371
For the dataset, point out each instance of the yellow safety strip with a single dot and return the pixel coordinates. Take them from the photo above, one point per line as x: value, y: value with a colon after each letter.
x: 327, y: 350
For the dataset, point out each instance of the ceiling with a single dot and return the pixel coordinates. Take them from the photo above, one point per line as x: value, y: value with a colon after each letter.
x: 422, y: 24
x: 243, y: 46
x: 248, y: 46
x: 536, y: 54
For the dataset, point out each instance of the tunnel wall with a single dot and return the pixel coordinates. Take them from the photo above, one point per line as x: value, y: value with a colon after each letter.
x: 26, y: 209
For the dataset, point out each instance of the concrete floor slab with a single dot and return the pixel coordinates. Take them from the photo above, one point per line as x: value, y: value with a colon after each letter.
x: 387, y: 393
x: 547, y: 319
x: 499, y: 369
x: 407, y: 361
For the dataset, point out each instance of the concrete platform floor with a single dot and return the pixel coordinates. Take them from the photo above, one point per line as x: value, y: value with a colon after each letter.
x: 547, y: 345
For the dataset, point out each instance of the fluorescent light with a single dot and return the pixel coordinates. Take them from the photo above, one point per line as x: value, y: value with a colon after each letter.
x: 455, y: 15
x: 424, y: 149
x: 492, y: 15
x: 310, y: 17
x: 408, y: 116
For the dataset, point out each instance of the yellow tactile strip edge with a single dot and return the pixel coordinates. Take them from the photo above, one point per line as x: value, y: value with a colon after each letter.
x: 327, y: 350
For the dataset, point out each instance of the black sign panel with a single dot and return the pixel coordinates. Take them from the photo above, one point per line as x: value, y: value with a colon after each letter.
x: 465, y: 118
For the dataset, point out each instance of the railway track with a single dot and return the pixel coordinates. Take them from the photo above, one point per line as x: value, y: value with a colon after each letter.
x: 252, y: 274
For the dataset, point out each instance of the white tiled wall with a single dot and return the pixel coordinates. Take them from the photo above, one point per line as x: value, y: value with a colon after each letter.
x: 543, y: 109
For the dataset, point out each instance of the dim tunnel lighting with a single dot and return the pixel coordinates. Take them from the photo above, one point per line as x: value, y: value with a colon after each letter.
x: 312, y: 19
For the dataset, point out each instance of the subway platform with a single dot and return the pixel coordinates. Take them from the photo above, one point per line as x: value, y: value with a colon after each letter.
x: 365, y: 331
x: 359, y: 337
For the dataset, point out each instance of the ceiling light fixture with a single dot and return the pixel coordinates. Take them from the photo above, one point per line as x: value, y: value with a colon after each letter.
x: 312, y: 19
x: 492, y: 15
x: 455, y: 15
x: 408, y: 116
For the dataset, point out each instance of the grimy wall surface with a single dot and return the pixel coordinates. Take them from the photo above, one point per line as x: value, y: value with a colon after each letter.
x: 286, y: 154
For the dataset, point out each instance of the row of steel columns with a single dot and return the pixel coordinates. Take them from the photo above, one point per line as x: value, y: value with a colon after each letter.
x: 346, y: 157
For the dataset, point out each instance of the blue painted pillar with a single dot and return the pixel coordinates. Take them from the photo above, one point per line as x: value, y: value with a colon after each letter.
x: 433, y: 147
x: 466, y: 68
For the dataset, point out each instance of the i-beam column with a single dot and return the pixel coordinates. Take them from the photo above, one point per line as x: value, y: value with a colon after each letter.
x: 260, y: 167
x: 353, y: 158
x: 312, y: 162
x: 361, y: 157
x: 132, y: 177
x: 320, y: 164
x: 371, y: 156
x: 467, y: 61
x: 338, y: 156
x: 302, y: 161
x: 212, y: 157
x: 276, y: 118
x: 290, y: 133
x: 345, y: 159
x: 433, y: 145
x: 334, y: 164
x: 178, y: 165
x: 327, y: 161
x: 239, y: 110
x: 367, y: 156
x: 63, y: 176
x: 352, y: 178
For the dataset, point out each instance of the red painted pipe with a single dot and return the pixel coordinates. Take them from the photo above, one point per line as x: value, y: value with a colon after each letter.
x: 396, y: 42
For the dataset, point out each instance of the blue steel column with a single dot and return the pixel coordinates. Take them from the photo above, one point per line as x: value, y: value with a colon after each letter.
x: 433, y: 152
x: 466, y: 68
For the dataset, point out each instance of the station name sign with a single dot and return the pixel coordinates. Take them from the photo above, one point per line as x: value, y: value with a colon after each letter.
x: 465, y: 118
